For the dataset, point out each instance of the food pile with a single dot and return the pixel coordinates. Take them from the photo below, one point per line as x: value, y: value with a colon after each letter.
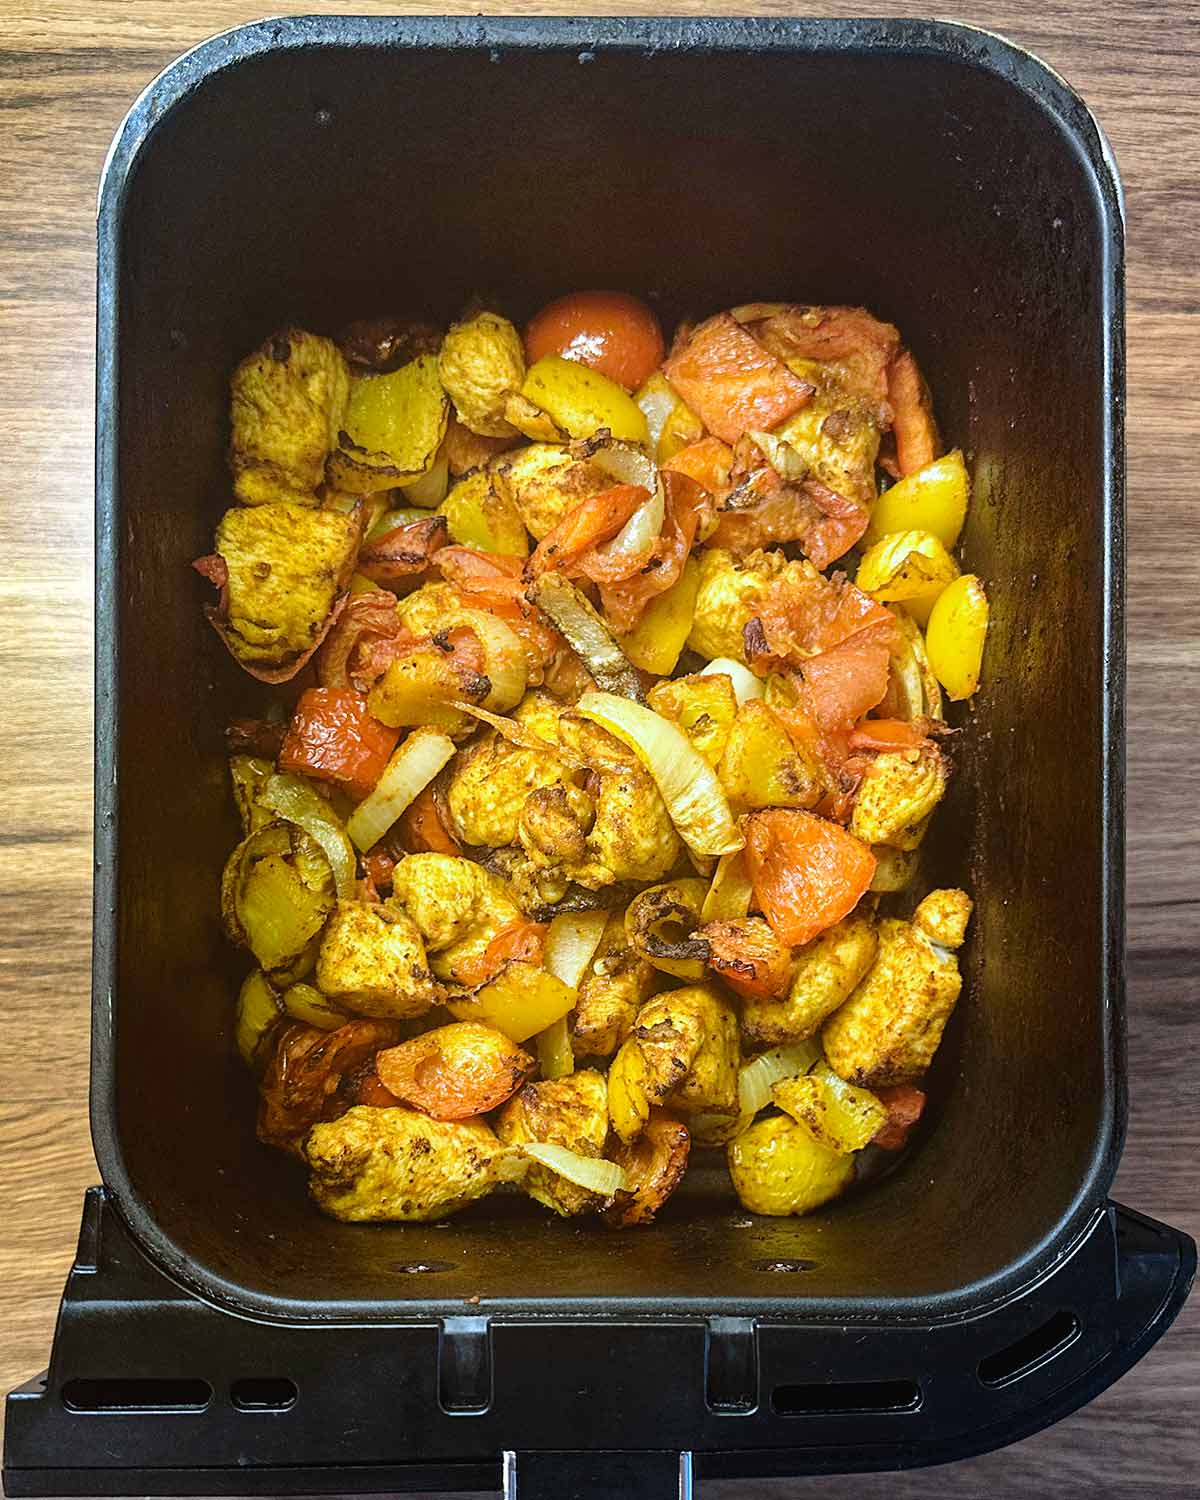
x: 586, y: 831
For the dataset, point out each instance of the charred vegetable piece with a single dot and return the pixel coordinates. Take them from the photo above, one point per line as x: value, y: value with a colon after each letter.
x: 587, y: 634
x: 704, y: 707
x: 404, y: 551
x: 659, y: 925
x: 904, y: 1105
x: 579, y: 401
x: 654, y: 1166
x: 916, y: 434
x: 305, y: 1070
x: 479, y: 515
x: 455, y: 1071
x: 393, y: 427
x: 747, y: 955
x: 835, y: 1113
x: 276, y: 892
x: 288, y: 401
x: 256, y: 1017
x: 657, y: 640
x: 334, y: 737
x: 761, y: 767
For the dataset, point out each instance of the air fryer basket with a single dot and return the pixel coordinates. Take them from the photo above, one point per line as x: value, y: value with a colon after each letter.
x: 309, y: 170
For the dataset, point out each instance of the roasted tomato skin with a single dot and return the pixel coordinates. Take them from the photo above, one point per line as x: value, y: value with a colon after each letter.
x: 611, y: 331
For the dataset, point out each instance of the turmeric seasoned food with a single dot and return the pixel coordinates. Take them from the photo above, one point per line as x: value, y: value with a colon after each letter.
x: 581, y: 831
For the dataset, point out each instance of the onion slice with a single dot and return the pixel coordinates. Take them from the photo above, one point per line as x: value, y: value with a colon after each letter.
x: 591, y: 1172
x: 571, y: 944
x: 731, y: 891
x: 556, y: 1056
x: 625, y: 462
x: 505, y: 663
x: 694, y: 797
x: 758, y: 1077
x: 641, y: 530
x: 412, y: 767
x: 587, y: 634
x: 296, y: 802
x: 745, y: 685
x: 517, y: 734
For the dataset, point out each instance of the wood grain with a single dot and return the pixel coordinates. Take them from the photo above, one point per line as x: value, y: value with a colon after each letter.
x: 67, y: 73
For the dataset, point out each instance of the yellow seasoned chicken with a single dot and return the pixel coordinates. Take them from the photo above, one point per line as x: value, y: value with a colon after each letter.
x: 570, y: 1112
x: 288, y: 400
x: 372, y: 1165
x: 898, y: 792
x: 481, y: 365
x: 457, y: 905
x: 491, y: 778
x: 617, y: 984
x: 890, y: 1027
x: 286, y: 565
x: 630, y: 837
x: 543, y: 481
x: 779, y: 1169
x: 827, y: 970
x: 683, y: 1048
x: 835, y: 437
x: 728, y: 599
x: 372, y: 961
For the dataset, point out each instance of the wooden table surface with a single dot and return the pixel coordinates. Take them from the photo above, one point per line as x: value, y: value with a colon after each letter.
x: 68, y: 71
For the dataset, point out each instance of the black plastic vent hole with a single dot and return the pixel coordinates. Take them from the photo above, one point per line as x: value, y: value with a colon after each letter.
x: 1021, y: 1358
x: 136, y: 1395
x: 263, y: 1394
x: 845, y: 1398
x: 783, y: 1267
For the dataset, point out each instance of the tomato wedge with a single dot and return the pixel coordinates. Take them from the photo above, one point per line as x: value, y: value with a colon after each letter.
x: 807, y: 873
x: 594, y: 520
x: 421, y: 827
x: 904, y: 1105
x: 520, y: 939
x: 333, y: 737
x: 611, y: 331
x: 913, y: 426
x: 731, y: 382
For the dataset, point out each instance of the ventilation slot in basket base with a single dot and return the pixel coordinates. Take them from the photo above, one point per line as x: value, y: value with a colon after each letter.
x: 845, y: 1398
x: 1024, y: 1356
x: 136, y: 1395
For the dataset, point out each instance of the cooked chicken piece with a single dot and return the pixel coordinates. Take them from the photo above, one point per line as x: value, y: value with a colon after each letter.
x: 544, y: 482
x: 631, y: 836
x: 457, y: 905
x: 491, y: 778
x: 286, y: 567
x: 731, y: 590
x: 372, y: 961
x: 373, y: 1165
x: 429, y: 608
x: 288, y: 400
x: 943, y: 917
x: 703, y: 707
x: 481, y: 365
x: 779, y: 1169
x: 613, y: 990
x: 570, y: 1112
x: 827, y: 970
x: 897, y: 794
x: 836, y: 434
x: 683, y: 1047
x: 890, y: 1027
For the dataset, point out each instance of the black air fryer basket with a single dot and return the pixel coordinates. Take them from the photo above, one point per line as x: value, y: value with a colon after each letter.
x: 219, y: 1335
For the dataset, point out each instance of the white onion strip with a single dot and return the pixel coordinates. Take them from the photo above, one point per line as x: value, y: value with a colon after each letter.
x: 591, y: 1172
x: 412, y: 767
x: 296, y: 801
x: 745, y: 685
x: 695, y: 798
x: 758, y: 1077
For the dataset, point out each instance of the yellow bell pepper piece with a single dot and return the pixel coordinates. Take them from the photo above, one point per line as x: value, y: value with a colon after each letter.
x: 521, y: 1001
x: 909, y: 567
x: 957, y: 629
x: 581, y: 401
x: 479, y: 515
x: 655, y: 642
x: 934, y: 499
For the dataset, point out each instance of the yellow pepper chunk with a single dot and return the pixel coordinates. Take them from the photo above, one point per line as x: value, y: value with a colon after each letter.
x: 658, y: 638
x: 909, y: 567
x: 580, y: 401
x: 933, y: 499
x: 957, y: 629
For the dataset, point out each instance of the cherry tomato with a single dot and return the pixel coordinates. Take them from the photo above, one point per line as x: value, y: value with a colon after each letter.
x: 611, y: 331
